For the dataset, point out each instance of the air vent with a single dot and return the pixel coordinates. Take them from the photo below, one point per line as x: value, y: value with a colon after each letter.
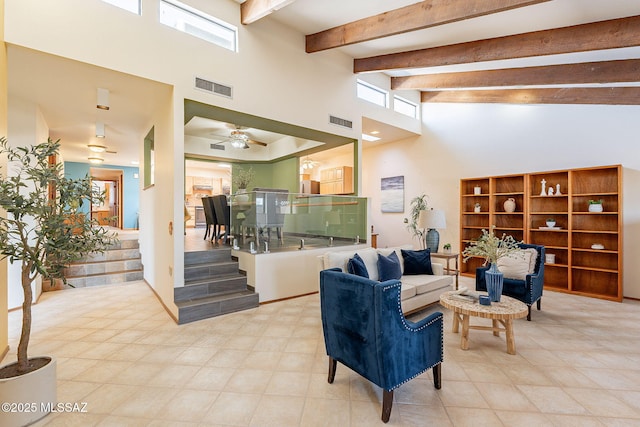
x: 217, y: 147
x: 341, y: 122
x: 213, y: 87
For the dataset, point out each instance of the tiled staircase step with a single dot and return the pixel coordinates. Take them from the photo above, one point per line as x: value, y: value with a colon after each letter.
x: 203, y: 271
x: 105, y: 279
x: 94, y: 268
x: 125, y: 244
x: 202, y: 308
x: 206, y: 257
x: 210, y: 286
x: 112, y: 255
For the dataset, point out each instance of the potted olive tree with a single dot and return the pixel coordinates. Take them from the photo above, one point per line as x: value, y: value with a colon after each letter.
x: 42, y: 227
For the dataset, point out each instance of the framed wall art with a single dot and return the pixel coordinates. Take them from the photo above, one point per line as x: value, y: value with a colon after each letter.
x: 392, y: 194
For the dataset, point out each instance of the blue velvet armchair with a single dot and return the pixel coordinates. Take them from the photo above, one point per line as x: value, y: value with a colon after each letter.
x: 365, y: 330
x: 528, y: 291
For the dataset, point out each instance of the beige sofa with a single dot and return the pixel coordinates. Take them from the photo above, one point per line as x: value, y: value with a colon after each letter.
x: 417, y: 292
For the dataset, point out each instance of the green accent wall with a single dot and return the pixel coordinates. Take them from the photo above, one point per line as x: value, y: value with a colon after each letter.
x: 280, y: 174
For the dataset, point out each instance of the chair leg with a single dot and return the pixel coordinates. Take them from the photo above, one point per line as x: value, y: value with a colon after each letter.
x: 332, y: 369
x: 529, y: 313
x: 387, y: 402
x: 539, y: 303
x: 206, y: 231
x: 437, y: 376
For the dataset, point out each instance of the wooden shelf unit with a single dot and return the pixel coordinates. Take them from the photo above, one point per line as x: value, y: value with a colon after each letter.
x: 577, y: 268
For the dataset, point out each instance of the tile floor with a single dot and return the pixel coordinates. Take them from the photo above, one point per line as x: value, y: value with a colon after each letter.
x: 578, y: 364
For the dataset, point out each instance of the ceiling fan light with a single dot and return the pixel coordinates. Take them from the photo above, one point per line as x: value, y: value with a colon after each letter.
x: 96, y: 148
x: 239, y: 140
x: 95, y: 159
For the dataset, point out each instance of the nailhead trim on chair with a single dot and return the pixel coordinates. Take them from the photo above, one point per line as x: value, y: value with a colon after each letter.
x: 406, y: 325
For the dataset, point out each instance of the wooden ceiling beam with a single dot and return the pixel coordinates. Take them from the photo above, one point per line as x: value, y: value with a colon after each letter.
x: 253, y: 10
x: 414, y: 17
x: 573, y: 95
x: 620, y: 71
x: 611, y: 34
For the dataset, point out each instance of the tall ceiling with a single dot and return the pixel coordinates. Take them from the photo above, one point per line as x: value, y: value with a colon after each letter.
x: 561, y: 51
x: 557, y: 51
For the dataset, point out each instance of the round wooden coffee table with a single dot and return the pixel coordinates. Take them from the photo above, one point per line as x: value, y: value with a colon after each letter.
x: 502, y: 312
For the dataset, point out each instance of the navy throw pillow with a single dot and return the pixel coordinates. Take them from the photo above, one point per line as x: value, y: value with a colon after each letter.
x: 389, y: 267
x: 356, y: 266
x: 417, y: 262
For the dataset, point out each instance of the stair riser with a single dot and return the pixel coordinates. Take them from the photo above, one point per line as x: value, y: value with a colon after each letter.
x: 206, y: 271
x: 125, y: 244
x: 204, y: 311
x: 113, y: 255
x: 103, y: 268
x: 206, y: 257
x: 106, y: 279
x: 236, y: 284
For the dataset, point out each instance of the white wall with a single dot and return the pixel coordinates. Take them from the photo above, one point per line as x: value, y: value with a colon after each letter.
x: 271, y: 70
x: 26, y: 127
x: 469, y: 140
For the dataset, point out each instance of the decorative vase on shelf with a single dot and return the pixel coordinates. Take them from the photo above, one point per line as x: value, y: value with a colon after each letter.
x: 595, y: 207
x: 494, y: 279
x: 510, y: 205
x: 242, y: 196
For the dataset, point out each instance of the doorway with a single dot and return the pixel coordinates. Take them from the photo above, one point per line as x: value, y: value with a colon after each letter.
x: 109, y: 212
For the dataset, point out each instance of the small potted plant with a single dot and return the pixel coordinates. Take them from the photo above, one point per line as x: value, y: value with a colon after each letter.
x: 447, y: 248
x: 241, y: 179
x: 551, y: 222
x: 595, y: 205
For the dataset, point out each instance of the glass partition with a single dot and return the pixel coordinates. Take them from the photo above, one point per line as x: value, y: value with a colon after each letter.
x: 286, y: 220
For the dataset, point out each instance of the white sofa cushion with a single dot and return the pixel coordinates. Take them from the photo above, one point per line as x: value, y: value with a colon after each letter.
x: 426, y: 282
x: 407, y: 291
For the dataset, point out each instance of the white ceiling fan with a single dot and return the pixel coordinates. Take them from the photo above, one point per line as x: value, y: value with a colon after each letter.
x: 238, y: 138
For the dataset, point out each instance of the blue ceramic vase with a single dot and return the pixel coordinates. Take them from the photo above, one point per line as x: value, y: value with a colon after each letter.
x: 494, y: 279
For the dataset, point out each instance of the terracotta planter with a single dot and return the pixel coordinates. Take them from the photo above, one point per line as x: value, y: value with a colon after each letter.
x: 29, y: 397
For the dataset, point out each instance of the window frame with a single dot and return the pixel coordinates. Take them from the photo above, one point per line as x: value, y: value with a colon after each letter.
x: 201, y: 18
x: 124, y: 6
x: 398, y: 100
x: 374, y: 88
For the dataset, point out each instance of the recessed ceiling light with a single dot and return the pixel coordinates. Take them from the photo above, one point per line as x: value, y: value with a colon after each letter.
x: 97, y: 148
x: 135, y: 162
x: 95, y: 159
x: 369, y: 137
x: 374, y: 132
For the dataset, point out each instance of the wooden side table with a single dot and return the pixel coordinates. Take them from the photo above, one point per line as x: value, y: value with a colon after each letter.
x: 448, y: 270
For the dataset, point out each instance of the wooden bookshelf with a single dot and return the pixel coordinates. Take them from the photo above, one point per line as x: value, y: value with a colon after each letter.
x: 578, y: 267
